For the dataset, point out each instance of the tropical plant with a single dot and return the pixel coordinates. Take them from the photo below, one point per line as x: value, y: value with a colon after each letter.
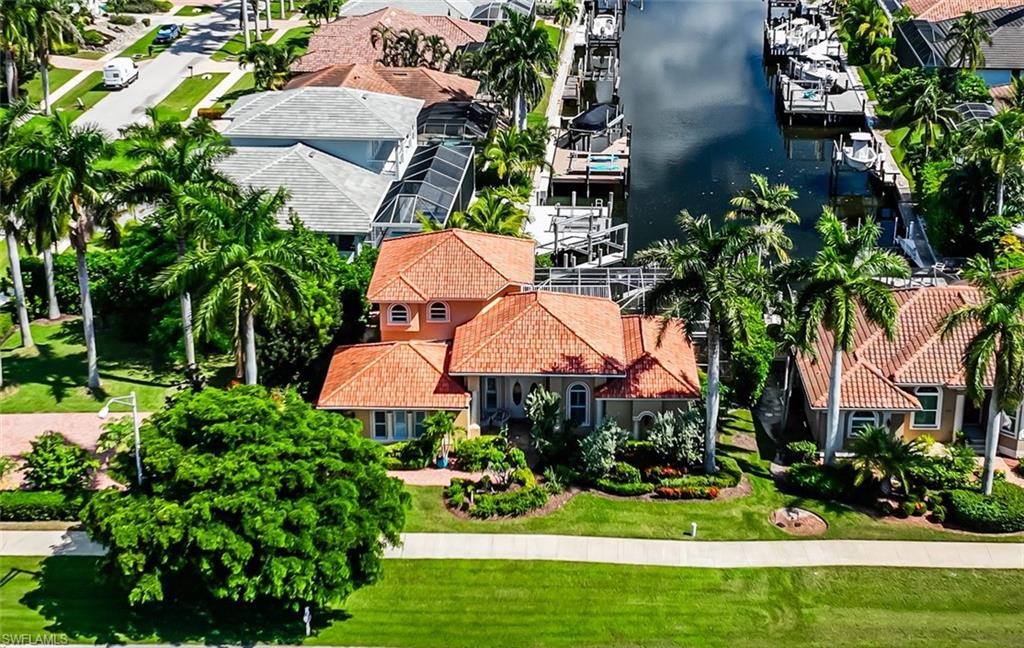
x: 599, y: 446
x: 678, y: 437
x: 176, y: 163
x: 54, y: 463
x: 515, y: 152
x: 319, y: 11
x: 881, y: 454
x: 565, y: 12
x: 516, y: 57
x: 271, y: 64
x: 929, y: 118
x: 842, y: 283
x: 711, y: 276
x: 248, y: 269
x: 295, y: 495
x: 966, y: 38
x: 1016, y: 99
x: 865, y: 20
x: 13, y: 35
x: 999, y: 143
x: 11, y: 138
x: 71, y: 179
x: 766, y: 208
x: 995, y: 354
x: 492, y: 212
x: 48, y: 23
x: 543, y: 408
x: 883, y: 58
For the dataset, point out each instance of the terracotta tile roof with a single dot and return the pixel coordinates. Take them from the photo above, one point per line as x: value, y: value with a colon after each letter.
x: 936, y: 10
x: 537, y: 333
x: 450, y: 264
x: 876, y: 372
x: 392, y: 375
x: 419, y: 83
x: 347, y: 40
x: 655, y: 369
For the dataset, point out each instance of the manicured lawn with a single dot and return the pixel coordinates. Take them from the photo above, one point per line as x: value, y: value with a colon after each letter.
x: 236, y: 46
x: 92, y: 55
x: 52, y: 377
x: 193, y: 10
x: 299, y: 37
x: 538, y: 116
x: 468, y: 603
x: 140, y: 49
x: 90, y: 90
x: 245, y: 85
x: 553, y: 32
x: 58, y: 77
x: 895, y: 140
x: 179, y: 104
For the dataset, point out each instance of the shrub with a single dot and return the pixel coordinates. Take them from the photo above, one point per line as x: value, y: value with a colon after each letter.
x: 543, y: 408
x: 7, y: 466
x: 678, y: 437
x: 475, y: 454
x: 423, y: 450
x: 121, y: 19
x: 93, y: 38
x: 916, y: 508
x: 623, y: 473
x: 687, y: 492
x: 751, y: 357
x: 729, y: 472
x: 623, y: 489
x: 523, y: 477
x: 823, y: 482
x: 952, y: 470
x: 598, y: 448
x: 146, y: 6
x: 30, y: 506
x: 801, y: 452
x: 54, y: 463
x: 65, y: 49
x: 638, y: 453
x: 1000, y: 512
x: 510, y: 503
x: 938, y: 514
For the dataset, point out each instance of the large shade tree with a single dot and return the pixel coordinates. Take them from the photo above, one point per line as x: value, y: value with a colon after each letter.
x: 842, y: 282
x: 248, y: 497
x: 712, y: 277
x: 516, y: 57
x: 995, y: 355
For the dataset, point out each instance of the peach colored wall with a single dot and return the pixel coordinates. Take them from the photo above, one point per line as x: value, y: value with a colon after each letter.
x: 459, y: 312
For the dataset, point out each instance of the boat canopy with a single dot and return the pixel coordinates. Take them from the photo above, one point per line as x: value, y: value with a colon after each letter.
x: 596, y: 119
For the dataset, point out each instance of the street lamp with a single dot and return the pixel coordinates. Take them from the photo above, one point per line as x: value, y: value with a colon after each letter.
x: 133, y: 402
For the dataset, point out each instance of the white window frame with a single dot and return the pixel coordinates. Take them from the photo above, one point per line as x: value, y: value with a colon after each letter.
x: 586, y: 403
x: 1012, y: 431
x: 391, y: 314
x: 430, y: 312
x: 855, y: 416
x: 414, y: 420
x: 938, y: 409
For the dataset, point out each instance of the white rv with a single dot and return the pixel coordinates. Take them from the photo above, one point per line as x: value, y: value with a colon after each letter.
x: 119, y: 73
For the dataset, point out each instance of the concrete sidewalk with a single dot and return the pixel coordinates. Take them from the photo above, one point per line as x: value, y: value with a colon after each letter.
x: 628, y: 551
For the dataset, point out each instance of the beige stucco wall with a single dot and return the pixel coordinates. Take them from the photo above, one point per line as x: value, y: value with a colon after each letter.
x: 947, y: 416
x: 365, y: 417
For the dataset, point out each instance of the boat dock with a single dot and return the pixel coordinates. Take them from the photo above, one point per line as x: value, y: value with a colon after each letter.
x: 628, y: 287
x: 588, y: 166
x: 583, y: 236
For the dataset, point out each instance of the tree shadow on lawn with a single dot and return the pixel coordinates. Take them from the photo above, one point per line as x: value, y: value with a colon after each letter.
x: 47, y: 368
x: 78, y: 602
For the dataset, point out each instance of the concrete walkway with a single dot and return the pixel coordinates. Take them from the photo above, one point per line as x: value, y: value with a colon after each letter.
x: 628, y: 551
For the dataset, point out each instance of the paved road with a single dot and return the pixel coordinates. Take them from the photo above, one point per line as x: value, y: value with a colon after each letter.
x: 628, y: 551
x: 158, y: 77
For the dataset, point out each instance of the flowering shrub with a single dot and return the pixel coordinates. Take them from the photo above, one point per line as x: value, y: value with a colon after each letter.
x: 687, y: 492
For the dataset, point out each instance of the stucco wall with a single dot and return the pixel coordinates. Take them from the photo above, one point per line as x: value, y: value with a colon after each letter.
x: 365, y: 417
x: 418, y: 328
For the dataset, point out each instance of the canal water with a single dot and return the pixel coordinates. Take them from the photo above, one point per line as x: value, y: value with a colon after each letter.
x: 695, y: 88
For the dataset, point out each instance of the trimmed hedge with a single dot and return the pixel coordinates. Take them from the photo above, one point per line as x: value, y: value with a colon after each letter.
x: 624, y: 473
x: 1001, y: 512
x: 688, y: 492
x: 729, y: 472
x: 510, y: 503
x: 625, y: 490
x: 121, y: 19
x: 474, y: 454
x: 821, y: 482
x: 31, y: 506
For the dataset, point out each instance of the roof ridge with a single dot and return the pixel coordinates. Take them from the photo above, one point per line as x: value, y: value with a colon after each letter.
x: 414, y: 346
x: 285, y: 152
x: 459, y: 233
x: 870, y: 340
x: 500, y: 329
x: 315, y: 164
x: 870, y: 366
x: 622, y: 333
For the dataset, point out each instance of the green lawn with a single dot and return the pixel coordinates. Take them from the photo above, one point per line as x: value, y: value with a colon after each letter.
x: 140, y: 49
x: 453, y: 604
x: 236, y: 46
x: 51, y: 378
x: 179, y: 104
x: 193, y: 10
x: 92, y: 55
x: 245, y: 85
x: 58, y: 77
x: 538, y: 116
x: 553, y: 33
x: 895, y: 140
x: 299, y: 37
x: 90, y: 90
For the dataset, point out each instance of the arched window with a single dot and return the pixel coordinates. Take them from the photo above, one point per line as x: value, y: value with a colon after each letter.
x: 577, y: 398
x: 642, y: 423
x: 437, y: 312
x: 928, y: 415
x: 859, y: 421
x: 398, y: 314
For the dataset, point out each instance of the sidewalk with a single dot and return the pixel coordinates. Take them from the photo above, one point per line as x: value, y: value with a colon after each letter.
x: 623, y: 551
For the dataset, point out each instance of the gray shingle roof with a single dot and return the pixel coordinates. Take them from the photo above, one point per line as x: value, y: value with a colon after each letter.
x: 929, y: 44
x: 323, y: 113
x: 328, y: 194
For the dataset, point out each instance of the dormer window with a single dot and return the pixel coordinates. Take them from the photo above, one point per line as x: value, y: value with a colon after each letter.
x: 398, y: 314
x: 437, y: 312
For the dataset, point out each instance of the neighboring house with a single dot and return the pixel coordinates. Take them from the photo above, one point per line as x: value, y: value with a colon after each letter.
x: 913, y: 384
x: 462, y: 331
x: 351, y: 39
x: 487, y: 12
x: 922, y: 42
x: 418, y: 83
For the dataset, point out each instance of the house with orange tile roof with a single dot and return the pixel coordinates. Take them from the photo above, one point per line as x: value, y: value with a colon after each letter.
x: 913, y: 384
x: 463, y: 331
x: 429, y: 85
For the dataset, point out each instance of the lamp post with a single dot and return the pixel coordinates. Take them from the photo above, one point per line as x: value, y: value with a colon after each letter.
x: 131, y: 401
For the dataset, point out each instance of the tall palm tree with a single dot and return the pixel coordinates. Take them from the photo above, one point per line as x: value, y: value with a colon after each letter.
x: 866, y: 20
x: 999, y: 143
x: 49, y: 22
x: 244, y: 17
x: 517, y: 55
x: 176, y: 163
x: 842, y: 282
x: 966, y: 39
x: 271, y: 64
x: 514, y: 152
x: 996, y: 349
x: 43, y: 229
x: 13, y: 31
x: 712, y: 276
x: 929, y: 117
x: 248, y: 270
x: 565, y: 12
x: 11, y: 137
x: 767, y: 208
x: 880, y: 453
x: 71, y: 178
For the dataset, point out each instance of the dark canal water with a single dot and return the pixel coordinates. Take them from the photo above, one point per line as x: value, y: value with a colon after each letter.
x: 695, y: 89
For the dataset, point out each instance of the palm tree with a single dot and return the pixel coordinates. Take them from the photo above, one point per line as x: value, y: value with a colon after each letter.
x: 842, y: 282
x: 712, y: 276
x: 767, y: 208
x: 176, y: 163
x: 881, y: 454
x: 999, y: 142
x: 929, y: 117
x: 70, y: 178
x: 883, y: 58
x: 1016, y: 99
x: 517, y: 55
x: 12, y: 37
x: 865, y: 19
x: 49, y: 22
x: 44, y: 228
x: 996, y: 349
x: 244, y: 17
x: 249, y: 269
x: 514, y: 152
x: 493, y: 212
x: 10, y: 139
x: 565, y: 12
x: 966, y: 38
x: 271, y: 64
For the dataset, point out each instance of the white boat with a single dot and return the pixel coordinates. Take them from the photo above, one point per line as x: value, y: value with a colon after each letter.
x: 817, y: 67
x: 603, y: 26
x: 860, y: 155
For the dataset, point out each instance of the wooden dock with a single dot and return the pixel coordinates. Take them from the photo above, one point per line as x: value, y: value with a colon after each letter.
x: 608, y: 165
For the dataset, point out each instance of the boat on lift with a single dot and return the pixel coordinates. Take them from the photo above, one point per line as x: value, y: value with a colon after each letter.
x: 603, y: 26
x: 860, y: 154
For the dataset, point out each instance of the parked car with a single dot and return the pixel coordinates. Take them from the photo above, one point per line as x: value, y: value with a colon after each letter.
x: 120, y: 73
x: 167, y: 34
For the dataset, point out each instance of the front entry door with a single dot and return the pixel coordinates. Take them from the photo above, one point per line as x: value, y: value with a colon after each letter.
x: 517, y: 390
